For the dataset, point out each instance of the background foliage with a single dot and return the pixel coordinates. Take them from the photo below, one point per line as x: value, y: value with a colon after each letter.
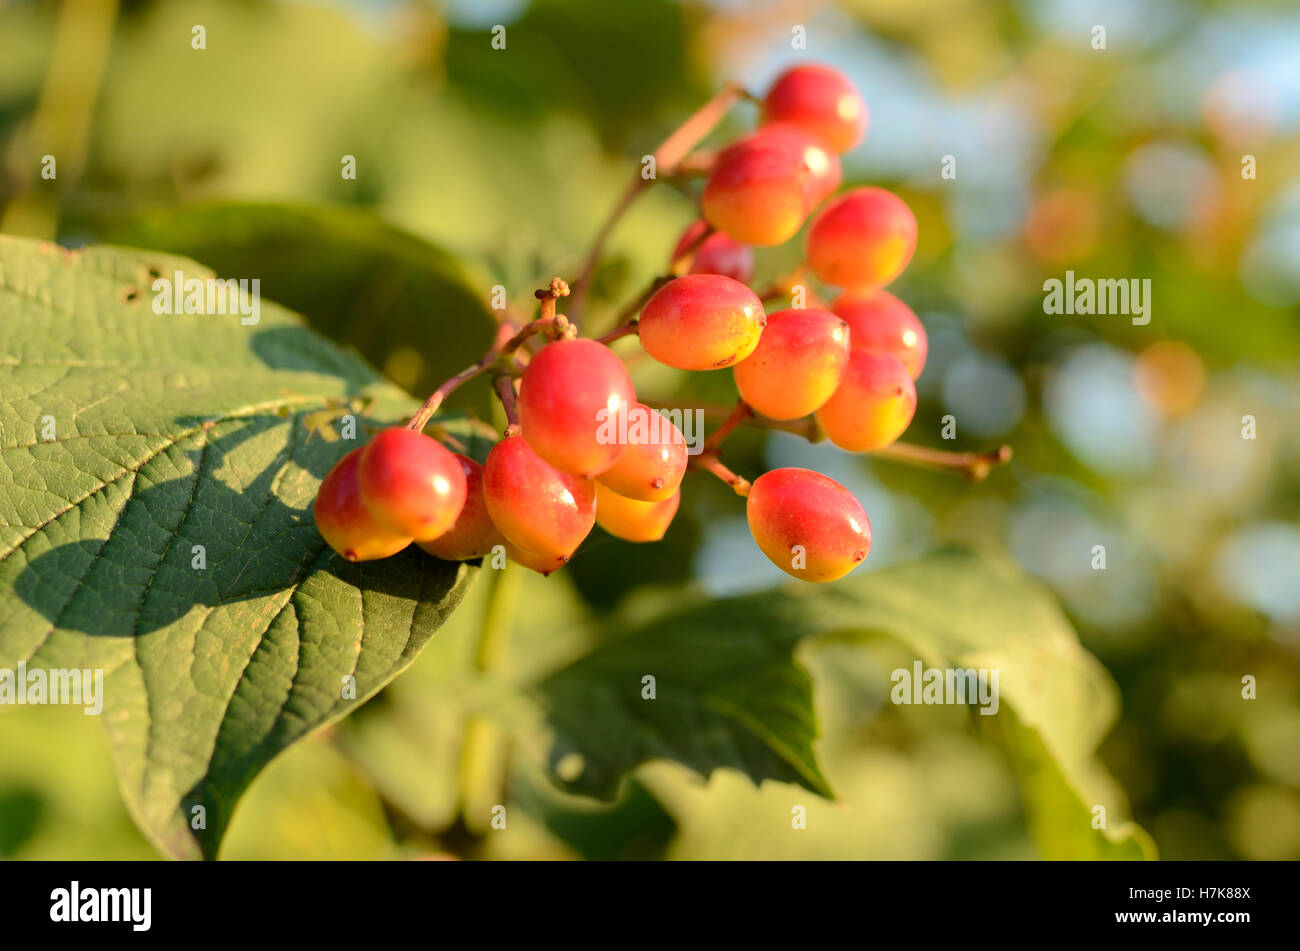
x: 479, y: 167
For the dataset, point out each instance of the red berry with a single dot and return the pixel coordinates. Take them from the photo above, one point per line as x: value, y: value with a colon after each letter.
x: 821, y: 100
x: 701, y: 322
x: 880, y: 321
x: 474, y: 534
x: 797, y: 364
x: 873, y: 405
x: 717, y: 254
x: 757, y: 194
x: 410, y: 483
x: 862, y: 239
x: 633, y: 520
x: 345, y: 523
x: 821, y: 166
x: 808, y: 524
x: 537, y: 507
x: 652, y: 465
x: 542, y: 564
x: 571, y: 396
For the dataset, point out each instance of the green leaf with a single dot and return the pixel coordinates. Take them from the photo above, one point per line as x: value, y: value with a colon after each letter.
x: 170, y: 433
x: 730, y: 692
x: 406, y: 304
x: 727, y: 692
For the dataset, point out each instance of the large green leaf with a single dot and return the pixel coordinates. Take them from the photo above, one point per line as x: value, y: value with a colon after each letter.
x: 172, y: 432
x: 403, y: 302
x: 730, y: 692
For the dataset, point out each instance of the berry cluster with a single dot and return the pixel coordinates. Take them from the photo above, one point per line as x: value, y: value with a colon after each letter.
x: 580, y: 449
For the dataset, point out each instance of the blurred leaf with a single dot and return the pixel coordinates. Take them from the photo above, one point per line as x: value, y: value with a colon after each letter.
x: 309, y: 805
x: 57, y: 760
x: 727, y: 693
x: 731, y: 694
x: 612, y: 62
x: 404, y: 303
x: 168, y: 436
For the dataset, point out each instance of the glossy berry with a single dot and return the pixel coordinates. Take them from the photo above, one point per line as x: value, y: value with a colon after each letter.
x: 820, y: 165
x: 873, y: 405
x: 474, y: 534
x: 542, y: 564
x: 717, y: 254
x: 797, y: 365
x: 537, y: 507
x: 757, y: 194
x: 821, y: 100
x: 808, y: 524
x: 880, y: 321
x: 701, y: 322
x: 345, y: 523
x: 631, y: 519
x: 862, y: 239
x: 411, y: 483
x: 654, y: 461
x: 572, y: 396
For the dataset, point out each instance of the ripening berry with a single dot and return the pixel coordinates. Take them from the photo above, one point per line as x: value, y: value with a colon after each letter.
x: 542, y: 564
x: 701, y: 322
x: 474, y: 534
x: 821, y: 100
x: 873, y: 405
x: 345, y: 523
x: 572, y: 396
x: 808, y: 524
x: 862, y: 239
x: 717, y: 254
x: 880, y: 321
x: 536, y: 506
x: 821, y: 166
x: 652, y: 465
x: 411, y: 483
x: 631, y: 519
x: 757, y: 194
x: 797, y: 365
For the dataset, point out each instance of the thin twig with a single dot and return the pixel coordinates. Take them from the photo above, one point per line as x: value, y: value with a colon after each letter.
x: 668, y: 157
x: 738, y: 415
x: 505, y: 387
x: 976, y: 466
x: 709, y: 462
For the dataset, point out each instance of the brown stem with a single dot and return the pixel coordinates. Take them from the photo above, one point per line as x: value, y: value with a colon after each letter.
x: 625, y: 329
x: 499, y: 355
x: 738, y: 415
x: 505, y: 387
x: 425, y: 412
x: 973, y: 465
x: 554, y: 327
x: 668, y: 156
x: 709, y: 462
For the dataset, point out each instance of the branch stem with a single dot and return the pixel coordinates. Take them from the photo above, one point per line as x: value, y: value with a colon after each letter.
x: 740, y: 414
x: 709, y: 462
x: 668, y: 157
